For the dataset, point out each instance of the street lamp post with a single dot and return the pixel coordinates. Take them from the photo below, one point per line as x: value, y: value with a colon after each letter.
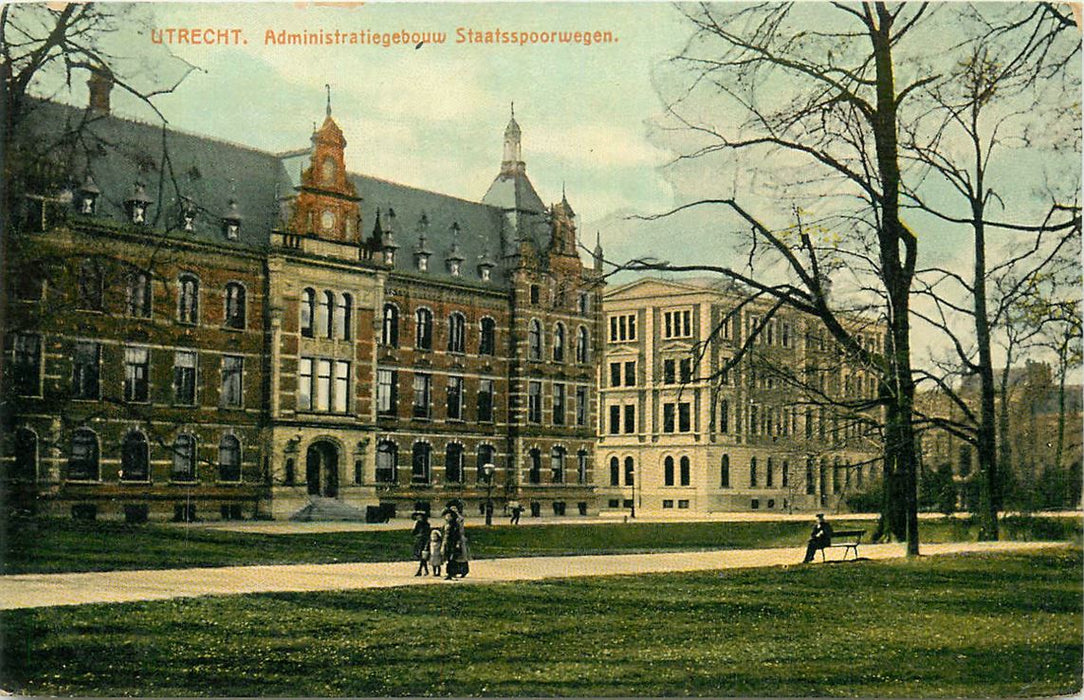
x: 487, y: 470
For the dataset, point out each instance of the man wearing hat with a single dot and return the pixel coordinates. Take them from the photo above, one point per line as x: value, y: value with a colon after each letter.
x: 820, y: 538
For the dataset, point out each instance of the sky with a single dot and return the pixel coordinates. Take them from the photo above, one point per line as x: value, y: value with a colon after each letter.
x: 433, y: 115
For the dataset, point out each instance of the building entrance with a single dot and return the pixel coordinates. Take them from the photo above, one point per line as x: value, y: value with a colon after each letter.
x: 322, y: 469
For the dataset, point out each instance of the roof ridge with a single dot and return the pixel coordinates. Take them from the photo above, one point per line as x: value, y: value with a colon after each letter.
x: 420, y: 189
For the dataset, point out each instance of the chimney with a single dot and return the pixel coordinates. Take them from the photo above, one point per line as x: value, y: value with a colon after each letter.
x: 100, y: 85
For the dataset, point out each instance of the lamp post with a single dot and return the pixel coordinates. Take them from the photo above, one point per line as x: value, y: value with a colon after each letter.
x: 487, y: 470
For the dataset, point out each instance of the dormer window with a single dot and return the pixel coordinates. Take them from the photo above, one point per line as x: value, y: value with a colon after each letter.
x: 389, y: 256
x: 483, y: 272
x: 423, y: 263
x: 88, y: 197
x: 453, y: 267
x: 231, y: 221
x: 137, y: 204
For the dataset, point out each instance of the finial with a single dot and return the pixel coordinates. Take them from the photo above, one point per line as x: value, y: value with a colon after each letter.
x: 513, y: 109
x: 598, y: 239
x: 328, y: 88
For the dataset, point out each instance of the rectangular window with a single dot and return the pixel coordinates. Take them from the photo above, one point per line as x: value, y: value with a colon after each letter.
x: 323, y: 385
x: 668, y: 417
x: 669, y: 375
x: 686, y: 370
x: 422, y: 385
x: 485, y: 400
x: 684, y: 417
x: 86, y: 371
x: 622, y: 328
x: 184, y: 378
x: 581, y: 405
x: 615, y: 420
x: 683, y: 503
x: 630, y: 374
x: 630, y: 419
x: 615, y: 374
x: 304, y: 384
x: 387, y: 384
x: 136, y: 374
x: 677, y: 324
x: 558, y: 404
x: 455, y: 398
x: 342, y: 387
x: 26, y: 367
x: 668, y: 503
x: 232, y: 373
x: 534, y: 402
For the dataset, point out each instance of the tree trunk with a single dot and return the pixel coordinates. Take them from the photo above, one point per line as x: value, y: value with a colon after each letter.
x: 986, y: 439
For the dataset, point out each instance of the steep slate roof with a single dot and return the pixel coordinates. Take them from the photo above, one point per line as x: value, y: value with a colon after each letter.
x: 118, y: 152
x: 480, y: 227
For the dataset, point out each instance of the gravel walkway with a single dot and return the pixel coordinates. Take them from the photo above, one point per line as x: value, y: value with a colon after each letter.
x: 47, y: 590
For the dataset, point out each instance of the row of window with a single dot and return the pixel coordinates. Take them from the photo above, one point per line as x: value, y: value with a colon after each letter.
x: 87, y: 371
x: 139, y: 296
x: 455, y: 470
x: 629, y: 471
x: 678, y: 473
x: 326, y: 315
x: 675, y: 324
x: 559, y: 404
x: 676, y: 418
x: 673, y: 369
x: 423, y: 331
x: 84, y: 457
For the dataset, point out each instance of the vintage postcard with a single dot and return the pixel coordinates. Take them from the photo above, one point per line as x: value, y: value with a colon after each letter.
x: 541, y: 349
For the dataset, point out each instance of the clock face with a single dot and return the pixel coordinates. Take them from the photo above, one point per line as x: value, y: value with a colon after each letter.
x: 327, y: 169
x: 327, y: 220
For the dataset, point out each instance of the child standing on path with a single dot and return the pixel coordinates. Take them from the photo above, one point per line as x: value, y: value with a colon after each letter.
x: 436, y: 542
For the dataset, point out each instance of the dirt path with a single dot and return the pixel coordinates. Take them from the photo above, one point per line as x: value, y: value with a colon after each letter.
x: 47, y: 590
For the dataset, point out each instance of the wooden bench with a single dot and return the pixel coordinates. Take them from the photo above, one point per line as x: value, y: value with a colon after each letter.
x: 848, y: 539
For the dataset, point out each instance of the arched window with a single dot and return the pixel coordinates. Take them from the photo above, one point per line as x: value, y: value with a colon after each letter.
x: 26, y: 455
x: 423, y: 329
x: 753, y: 471
x: 557, y: 465
x: 559, y: 343
x: 420, y: 463
x: 184, y: 458
x: 90, y: 286
x: 453, y: 463
x: 487, y: 343
x: 486, y: 455
x: 135, y: 462
x: 630, y: 471
x: 308, y: 311
x: 724, y: 472
x: 534, y: 473
x: 139, y: 295
x: 615, y: 472
x: 724, y: 416
x: 325, y: 314
x: 387, y: 462
x: 229, y: 459
x: 685, y: 476
x: 582, y: 346
x: 769, y: 476
x: 390, y: 334
x: 342, y: 316
x: 235, y: 305
x: 456, y: 330
x: 188, y: 300
x: 581, y: 467
x: 83, y: 460
x: 668, y: 471
x: 534, y: 340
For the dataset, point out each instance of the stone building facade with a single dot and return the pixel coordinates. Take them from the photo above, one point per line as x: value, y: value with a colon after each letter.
x: 682, y: 432
x: 249, y: 334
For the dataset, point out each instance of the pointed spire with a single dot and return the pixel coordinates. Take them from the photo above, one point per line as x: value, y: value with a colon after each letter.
x: 328, y: 87
x: 513, y: 158
x: 597, y: 255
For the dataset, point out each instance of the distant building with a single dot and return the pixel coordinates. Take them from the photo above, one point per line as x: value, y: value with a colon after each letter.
x: 681, y: 433
x: 200, y: 330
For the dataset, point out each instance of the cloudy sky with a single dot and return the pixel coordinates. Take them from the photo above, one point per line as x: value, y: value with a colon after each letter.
x: 433, y: 115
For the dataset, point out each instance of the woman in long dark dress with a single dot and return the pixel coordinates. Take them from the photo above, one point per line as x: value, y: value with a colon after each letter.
x: 421, y: 541
x: 456, y: 549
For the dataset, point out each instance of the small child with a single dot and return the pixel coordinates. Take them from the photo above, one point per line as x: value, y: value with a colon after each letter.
x: 435, y: 553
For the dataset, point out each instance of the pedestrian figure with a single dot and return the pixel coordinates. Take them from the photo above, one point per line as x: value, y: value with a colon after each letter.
x: 516, y: 510
x: 436, y: 554
x: 820, y: 538
x: 455, y: 549
x: 421, y: 541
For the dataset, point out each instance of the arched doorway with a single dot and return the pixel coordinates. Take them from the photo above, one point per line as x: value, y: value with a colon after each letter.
x: 322, y: 469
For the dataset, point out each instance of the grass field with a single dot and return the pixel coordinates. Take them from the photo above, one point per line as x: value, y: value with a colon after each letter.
x: 49, y: 546
x: 973, y: 626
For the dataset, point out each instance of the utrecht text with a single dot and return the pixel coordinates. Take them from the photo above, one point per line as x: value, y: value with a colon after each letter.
x: 197, y: 35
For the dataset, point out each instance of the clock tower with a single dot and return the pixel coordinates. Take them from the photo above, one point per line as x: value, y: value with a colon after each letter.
x: 327, y: 202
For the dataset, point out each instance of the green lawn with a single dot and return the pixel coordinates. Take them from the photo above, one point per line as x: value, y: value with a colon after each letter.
x: 974, y: 626
x: 46, y: 546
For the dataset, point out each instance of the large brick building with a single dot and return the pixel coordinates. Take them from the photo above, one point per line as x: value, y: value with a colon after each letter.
x: 197, y: 329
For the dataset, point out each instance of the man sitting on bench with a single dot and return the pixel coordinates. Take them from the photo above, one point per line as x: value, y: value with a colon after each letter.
x: 820, y: 538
